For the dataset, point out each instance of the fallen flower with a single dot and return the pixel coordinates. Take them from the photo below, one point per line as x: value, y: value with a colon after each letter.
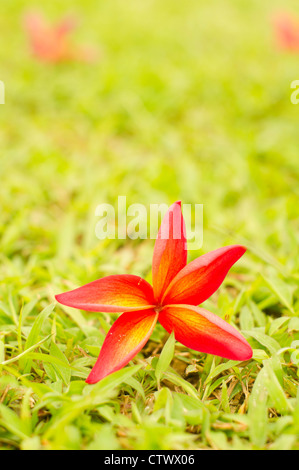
x: 286, y: 31
x: 177, y: 289
x: 51, y: 43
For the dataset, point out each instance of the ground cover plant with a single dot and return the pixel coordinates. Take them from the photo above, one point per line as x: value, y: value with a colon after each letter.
x: 184, y: 101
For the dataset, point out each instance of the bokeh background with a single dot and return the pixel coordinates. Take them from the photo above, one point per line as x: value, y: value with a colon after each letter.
x: 184, y: 100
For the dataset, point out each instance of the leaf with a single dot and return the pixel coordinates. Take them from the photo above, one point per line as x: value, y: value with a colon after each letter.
x: 112, y: 381
x: 259, y: 316
x: 50, y: 359
x: 25, y: 353
x: 269, y: 343
x: 39, y: 389
x: 274, y: 388
x: 277, y: 324
x: 246, y: 320
x: 294, y: 324
x: 177, y: 380
x: 5, y: 309
x: 63, y: 372
x: 37, y: 326
x: 165, y: 357
x: 36, y: 331
x: 218, y: 440
x: 192, y: 408
x: 10, y: 420
x: 282, y: 289
x: 221, y: 368
x: 136, y: 385
x: 75, y: 315
x: 283, y: 442
x: 2, y: 351
x: 258, y: 411
x: 93, y: 396
x: 224, y: 398
x: 28, y: 309
x: 259, y: 355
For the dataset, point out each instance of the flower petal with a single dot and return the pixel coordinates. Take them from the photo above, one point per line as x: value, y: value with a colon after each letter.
x: 170, y: 252
x: 201, y: 278
x: 119, y: 293
x: 203, y: 331
x: 125, y: 339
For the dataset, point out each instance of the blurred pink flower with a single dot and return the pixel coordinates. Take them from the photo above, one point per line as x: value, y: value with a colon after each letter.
x: 287, y: 31
x: 51, y: 43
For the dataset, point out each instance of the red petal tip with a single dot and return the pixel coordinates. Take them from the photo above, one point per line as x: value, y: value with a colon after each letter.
x: 124, y: 340
x: 198, y: 280
x: 115, y: 293
x: 90, y: 381
x: 247, y: 356
x: 201, y: 330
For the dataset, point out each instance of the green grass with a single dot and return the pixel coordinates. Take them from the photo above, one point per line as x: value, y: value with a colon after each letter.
x: 191, y: 101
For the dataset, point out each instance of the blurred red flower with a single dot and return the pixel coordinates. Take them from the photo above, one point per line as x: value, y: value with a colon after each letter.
x: 287, y: 31
x: 52, y: 43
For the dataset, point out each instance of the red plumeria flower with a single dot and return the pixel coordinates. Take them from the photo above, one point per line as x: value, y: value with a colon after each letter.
x: 287, y: 31
x: 51, y: 43
x: 177, y: 289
